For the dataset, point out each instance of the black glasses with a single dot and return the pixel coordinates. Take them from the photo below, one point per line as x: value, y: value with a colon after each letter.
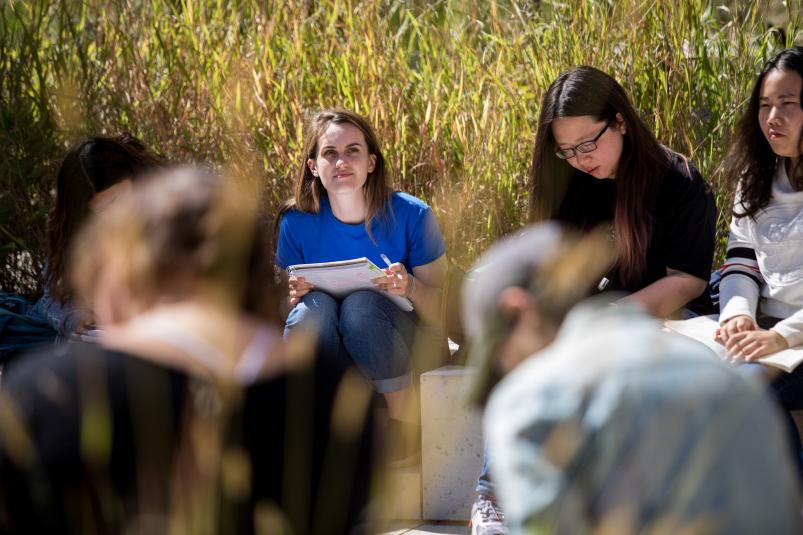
x: 584, y: 147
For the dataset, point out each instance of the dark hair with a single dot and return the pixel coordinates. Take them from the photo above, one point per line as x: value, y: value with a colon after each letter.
x: 308, y: 188
x: 750, y: 164
x: 92, y: 166
x: 179, y: 229
x: 589, y: 91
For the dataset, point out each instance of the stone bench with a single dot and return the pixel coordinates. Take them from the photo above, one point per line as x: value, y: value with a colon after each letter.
x: 451, y: 444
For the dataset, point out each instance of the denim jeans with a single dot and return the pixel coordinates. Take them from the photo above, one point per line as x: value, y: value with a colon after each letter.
x: 365, y: 327
x: 484, y: 483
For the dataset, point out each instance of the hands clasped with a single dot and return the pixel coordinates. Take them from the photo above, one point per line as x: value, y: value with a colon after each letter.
x: 746, y: 341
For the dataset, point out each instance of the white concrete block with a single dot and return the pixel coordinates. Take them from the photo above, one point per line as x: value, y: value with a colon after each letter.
x: 451, y: 444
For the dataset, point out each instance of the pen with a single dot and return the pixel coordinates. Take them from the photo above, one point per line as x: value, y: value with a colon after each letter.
x: 384, y: 257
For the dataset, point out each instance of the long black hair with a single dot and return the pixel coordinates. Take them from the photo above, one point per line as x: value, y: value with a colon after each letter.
x: 92, y: 166
x: 750, y: 164
x: 588, y: 91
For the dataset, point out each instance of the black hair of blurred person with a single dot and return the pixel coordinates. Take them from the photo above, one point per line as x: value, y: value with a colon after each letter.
x: 92, y: 166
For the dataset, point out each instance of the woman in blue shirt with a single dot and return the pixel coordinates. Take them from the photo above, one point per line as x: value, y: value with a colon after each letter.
x: 343, y: 208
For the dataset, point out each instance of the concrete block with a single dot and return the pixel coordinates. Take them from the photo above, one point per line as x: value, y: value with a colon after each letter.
x: 451, y: 444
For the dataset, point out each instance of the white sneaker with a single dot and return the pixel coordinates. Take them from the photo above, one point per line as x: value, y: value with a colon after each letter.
x: 487, y: 517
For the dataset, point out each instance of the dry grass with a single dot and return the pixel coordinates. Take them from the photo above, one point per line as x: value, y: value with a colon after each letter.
x: 452, y: 88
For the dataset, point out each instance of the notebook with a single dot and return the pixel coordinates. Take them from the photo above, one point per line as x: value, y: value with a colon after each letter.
x: 345, y: 276
x: 703, y: 328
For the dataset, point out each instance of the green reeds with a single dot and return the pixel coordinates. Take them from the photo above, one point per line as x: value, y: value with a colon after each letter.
x: 452, y: 87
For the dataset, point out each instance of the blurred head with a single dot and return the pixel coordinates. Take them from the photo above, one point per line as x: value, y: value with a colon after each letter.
x: 92, y: 174
x: 587, y: 123
x: 518, y: 293
x: 341, y: 154
x: 770, y: 128
x: 181, y: 234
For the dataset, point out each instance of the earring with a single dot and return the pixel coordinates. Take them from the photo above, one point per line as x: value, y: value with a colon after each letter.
x: 314, y: 172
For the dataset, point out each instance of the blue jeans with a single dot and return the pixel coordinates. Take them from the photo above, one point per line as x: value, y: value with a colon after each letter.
x: 484, y: 483
x: 365, y: 327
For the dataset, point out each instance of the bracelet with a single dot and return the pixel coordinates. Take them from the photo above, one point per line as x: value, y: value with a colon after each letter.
x: 410, y: 287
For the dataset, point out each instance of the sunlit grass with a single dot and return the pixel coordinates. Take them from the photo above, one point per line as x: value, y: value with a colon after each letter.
x: 452, y: 87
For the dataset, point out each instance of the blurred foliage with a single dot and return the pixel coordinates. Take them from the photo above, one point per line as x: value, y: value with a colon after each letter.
x: 452, y: 87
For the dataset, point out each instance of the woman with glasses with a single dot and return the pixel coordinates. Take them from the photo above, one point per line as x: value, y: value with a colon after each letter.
x: 596, y: 163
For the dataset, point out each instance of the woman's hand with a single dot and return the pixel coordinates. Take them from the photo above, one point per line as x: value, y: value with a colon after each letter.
x: 754, y: 344
x: 734, y: 325
x: 396, y: 280
x: 299, y: 287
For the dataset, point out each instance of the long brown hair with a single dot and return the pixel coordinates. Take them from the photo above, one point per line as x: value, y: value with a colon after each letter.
x: 308, y: 188
x: 750, y: 164
x: 92, y: 166
x: 589, y: 91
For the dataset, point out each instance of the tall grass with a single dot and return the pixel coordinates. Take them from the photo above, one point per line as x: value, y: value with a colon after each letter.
x: 453, y: 88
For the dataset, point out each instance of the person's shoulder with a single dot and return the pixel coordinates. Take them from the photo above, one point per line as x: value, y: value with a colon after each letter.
x: 681, y: 172
x: 682, y: 178
x: 32, y: 379
x: 295, y: 222
x: 57, y: 358
x: 404, y: 201
x: 65, y: 361
x: 294, y: 215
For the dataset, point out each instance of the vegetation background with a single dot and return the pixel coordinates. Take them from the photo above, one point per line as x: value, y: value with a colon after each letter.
x: 453, y: 88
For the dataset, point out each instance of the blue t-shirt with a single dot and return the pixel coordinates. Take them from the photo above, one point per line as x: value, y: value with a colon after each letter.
x: 408, y: 233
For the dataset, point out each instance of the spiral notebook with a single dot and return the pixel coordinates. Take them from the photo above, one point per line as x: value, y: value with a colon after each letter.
x: 344, y: 277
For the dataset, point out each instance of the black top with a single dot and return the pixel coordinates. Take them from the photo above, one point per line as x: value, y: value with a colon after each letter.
x: 684, y: 220
x: 101, y: 434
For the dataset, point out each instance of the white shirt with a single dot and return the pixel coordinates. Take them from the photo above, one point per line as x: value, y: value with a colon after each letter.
x: 776, y: 236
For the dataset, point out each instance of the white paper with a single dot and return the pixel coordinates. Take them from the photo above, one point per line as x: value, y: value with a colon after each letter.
x: 344, y: 277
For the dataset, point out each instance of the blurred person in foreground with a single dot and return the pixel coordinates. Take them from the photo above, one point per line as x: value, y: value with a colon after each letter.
x: 192, y: 415
x: 601, y: 421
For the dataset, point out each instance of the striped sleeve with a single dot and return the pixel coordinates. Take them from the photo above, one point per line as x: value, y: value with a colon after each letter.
x: 741, y: 278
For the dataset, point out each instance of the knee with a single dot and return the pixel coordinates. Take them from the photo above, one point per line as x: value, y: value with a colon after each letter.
x: 317, y: 307
x: 363, y: 308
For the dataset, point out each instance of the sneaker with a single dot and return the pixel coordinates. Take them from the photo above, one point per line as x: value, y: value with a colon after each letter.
x: 487, y: 517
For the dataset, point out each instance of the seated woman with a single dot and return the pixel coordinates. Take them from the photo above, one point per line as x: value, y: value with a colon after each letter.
x: 343, y: 209
x: 761, y: 293
x: 92, y: 174
x: 595, y: 163
x: 192, y: 415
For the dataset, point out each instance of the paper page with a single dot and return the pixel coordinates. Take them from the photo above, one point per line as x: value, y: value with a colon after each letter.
x: 342, y: 278
x: 702, y: 329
